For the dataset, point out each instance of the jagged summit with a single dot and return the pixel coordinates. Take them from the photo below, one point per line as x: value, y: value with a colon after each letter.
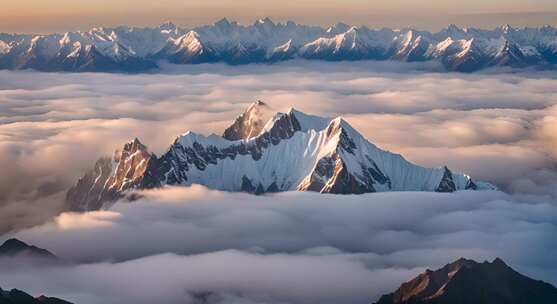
x: 250, y: 123
x: 265, y: 151
x: 16, y: 296
x: 16, y: 248
x: 468, y: 282
x: 168, y: 25
x: 132, y: 167
x: 138, y: 49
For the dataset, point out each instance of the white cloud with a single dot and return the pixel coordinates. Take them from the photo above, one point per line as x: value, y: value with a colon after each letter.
x: 244, y: 277
x: 493, y: 126
x: 91, y: 220
x: 282, y: 248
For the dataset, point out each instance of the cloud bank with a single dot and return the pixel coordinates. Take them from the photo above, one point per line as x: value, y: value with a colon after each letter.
x: 179, y: 245
x: 497, y: 126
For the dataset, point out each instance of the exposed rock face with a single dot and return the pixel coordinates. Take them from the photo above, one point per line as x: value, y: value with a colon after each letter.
x: 289, y: 151
x: 330, y: 174
x: 16, y: 296
x: 447, y: 184
x: 250, y: 123
x: 342, y: 181
x: 17, y: 248
x: 132, y: 168
x: 511, y: 55
x: 468, y: 282
x: 89, y: 193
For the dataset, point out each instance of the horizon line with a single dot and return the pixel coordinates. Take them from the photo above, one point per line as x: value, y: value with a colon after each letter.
x: 282, y: 21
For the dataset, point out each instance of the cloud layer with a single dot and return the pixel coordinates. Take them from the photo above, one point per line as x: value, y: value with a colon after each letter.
x: 498, y: 126
x: 183, y: 245
x: 180, y: 243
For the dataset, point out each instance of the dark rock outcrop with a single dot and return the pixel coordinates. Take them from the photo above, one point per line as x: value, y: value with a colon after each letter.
x: 468, y: 282
x: 17, y: 248
x: 16, y: 296
x: 447, y: 183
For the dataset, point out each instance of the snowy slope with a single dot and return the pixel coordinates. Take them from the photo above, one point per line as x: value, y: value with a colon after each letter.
x: 291, y: 151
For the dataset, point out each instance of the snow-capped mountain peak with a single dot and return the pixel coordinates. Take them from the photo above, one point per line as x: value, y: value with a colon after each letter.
x: 4, y: 47
x: 137, y: 49
x: 265, y: 20
x: 168, y: 26
x: 265, y: 152
x: 190, y: 42
x: 250, y: 123
x: 338, y: 28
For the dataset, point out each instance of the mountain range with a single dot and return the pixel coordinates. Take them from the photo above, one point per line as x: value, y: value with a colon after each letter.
x: 469, y: 282
x: 262, y: 152
x: 132, y: 49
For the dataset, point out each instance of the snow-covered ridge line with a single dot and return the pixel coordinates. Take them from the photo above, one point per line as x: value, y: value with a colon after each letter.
x: 290, y: 151
x: 135, y: 49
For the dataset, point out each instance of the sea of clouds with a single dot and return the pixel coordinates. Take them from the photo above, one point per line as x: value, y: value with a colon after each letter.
x: 175, y: 245
x: 181, y: 245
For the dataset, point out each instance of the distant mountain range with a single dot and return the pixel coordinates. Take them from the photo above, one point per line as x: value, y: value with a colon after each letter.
x: 131, y: 49
x: 261, y: 152
x: 468, y: 282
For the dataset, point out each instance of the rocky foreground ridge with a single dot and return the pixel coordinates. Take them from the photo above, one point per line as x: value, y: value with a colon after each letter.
x: 469, y: 282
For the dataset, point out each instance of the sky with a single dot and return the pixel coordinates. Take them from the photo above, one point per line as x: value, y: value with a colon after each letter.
x: 37, y: 16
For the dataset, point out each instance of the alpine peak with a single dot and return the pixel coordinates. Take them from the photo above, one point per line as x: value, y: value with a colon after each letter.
x: 265, y: 151
x: 250, y: 123
x: 223, y: 23
x: 265, y: 20
x: 469, y: 282
x: 16, y: 248
x: 168, y: 25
